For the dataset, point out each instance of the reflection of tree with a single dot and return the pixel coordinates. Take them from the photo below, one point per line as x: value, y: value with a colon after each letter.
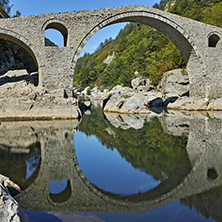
x: 208, y: 203
x: 148, y: 149
x: 14, y: 164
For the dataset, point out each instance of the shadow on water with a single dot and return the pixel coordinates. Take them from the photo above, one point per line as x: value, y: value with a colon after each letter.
x: 179, y: 152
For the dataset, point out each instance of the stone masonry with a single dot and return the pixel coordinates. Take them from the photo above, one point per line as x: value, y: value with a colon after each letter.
x: 199, y: 43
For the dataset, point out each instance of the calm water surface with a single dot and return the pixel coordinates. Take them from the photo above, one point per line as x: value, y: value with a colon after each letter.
x: 111, y: 167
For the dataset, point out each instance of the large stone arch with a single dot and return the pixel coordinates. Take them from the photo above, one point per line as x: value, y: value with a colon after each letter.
x: 184, y: 42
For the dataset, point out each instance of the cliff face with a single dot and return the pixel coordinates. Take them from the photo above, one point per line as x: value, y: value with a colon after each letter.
x: 13, y: 57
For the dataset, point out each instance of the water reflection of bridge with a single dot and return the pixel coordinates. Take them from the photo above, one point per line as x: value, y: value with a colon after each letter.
x: 200, y: 172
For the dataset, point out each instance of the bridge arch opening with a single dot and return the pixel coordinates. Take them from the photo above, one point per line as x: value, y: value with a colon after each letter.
x: 173, y: 31
x: 57, y: 30
x: 213, y: 39
x: 16, y: 55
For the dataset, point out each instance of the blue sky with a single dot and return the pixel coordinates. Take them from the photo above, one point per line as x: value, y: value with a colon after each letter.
x: 27, y: 7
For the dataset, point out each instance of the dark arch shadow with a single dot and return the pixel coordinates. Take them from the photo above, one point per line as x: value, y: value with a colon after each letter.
x: 22, y: 44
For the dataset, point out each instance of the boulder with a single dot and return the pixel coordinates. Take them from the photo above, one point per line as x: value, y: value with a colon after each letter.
x: 174, y: 83
x: 215, y: 104
x: 22, y: 100
x: 187, y: 103
x: 9, y: 208
x: 142, y: 84
x: 127, y: 100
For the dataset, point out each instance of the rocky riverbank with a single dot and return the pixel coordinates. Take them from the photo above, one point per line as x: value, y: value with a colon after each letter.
x: 9, y: 208
x: 22, y: 99
x: 171, y: 93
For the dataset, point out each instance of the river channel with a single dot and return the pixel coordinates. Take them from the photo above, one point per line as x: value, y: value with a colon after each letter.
x: 165, y: 166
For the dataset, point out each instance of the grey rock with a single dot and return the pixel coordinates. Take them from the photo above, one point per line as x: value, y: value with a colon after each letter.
x: 142, y: 84
x: 9, y: 208
x: 174, y: 84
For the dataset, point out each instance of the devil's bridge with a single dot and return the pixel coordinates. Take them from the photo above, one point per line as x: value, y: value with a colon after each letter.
x: 199, y: 43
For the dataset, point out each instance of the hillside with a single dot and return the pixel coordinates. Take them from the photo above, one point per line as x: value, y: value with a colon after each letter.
x: 136, y: 48
x: 141, y: 48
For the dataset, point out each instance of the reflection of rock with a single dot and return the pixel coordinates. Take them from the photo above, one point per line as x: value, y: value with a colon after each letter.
x: 175, y: 124
x: 126, y: 121
x: 24, y: 134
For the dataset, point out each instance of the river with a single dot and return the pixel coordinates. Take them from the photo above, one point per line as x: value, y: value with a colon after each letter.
x: 165, y: 166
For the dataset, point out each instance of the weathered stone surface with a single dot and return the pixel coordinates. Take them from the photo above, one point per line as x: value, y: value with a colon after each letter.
x: 125, y: 100
x: 215, y: 104
x: 15, y: 57
x: 174, y: 84
x: 22, y: 100
x: 56, y: 65
x: 9, y: 208
x: 142, y: 84
x: 187, y: 103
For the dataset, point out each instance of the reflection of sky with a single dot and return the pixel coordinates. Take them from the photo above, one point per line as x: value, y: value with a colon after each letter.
x: 31, y: 166
x: 172, y: 212
x: 57, y: 186
x: 106, y: 169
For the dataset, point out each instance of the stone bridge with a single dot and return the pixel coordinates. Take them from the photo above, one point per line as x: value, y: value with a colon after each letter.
x: 198, y: 172
x: 199, y: 43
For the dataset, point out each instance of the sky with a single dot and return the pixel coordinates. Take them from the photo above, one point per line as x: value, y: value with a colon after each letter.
x: 27, y: 7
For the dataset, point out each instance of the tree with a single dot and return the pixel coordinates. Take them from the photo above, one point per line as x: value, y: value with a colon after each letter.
x: 213, y: 15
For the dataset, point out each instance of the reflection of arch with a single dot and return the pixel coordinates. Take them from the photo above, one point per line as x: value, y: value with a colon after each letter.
x: 62, y: 196
x: 19, y: 156
x: 213, y: 39
x: 59, y: 26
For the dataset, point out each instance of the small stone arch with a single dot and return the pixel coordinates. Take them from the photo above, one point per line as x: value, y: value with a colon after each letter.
x: 213, y: 39
x: 58, y: 25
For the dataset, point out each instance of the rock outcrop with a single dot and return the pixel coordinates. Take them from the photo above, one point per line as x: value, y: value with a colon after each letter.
x: 174, y: 83
x: 127, y: 100
x: 187, y: 103
x: 9, y: 208
x: 20, y: 99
